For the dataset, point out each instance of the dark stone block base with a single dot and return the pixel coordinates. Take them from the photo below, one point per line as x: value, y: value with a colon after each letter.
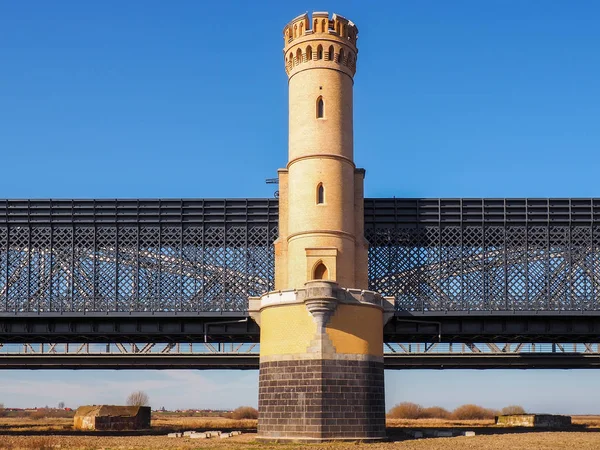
x: 312, y: 400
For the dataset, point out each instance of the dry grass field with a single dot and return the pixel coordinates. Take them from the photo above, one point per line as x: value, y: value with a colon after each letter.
x: 55, y: 433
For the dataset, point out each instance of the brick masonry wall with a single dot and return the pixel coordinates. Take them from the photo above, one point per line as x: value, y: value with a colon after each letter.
x: 321, y: 399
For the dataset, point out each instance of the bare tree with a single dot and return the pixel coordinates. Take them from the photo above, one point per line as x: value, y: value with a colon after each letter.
x: 61, y: 405
x: 138, y: 398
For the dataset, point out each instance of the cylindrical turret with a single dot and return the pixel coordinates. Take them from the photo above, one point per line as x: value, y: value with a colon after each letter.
x: 319, y: 228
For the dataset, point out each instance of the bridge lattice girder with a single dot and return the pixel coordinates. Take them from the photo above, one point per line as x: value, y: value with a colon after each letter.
x: 75, y: 256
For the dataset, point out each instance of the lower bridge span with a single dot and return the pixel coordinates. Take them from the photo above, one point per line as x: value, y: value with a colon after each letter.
x: 146, y: 356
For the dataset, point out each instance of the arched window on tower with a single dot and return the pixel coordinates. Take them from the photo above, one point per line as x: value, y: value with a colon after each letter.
x: 320, y: 194
x: 298, y: 56
x: 331, y: 53
x: 320, y: 272
x: 309, y: 53
x: 301, y: 28
x: 320, y: 108
x: 320, y: 52
x: 341, y: 57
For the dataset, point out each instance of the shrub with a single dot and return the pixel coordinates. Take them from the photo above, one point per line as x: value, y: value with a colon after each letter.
x: 44, y: 413
x: 244, y: 412
x: 406, y: 410
x: 473, y: 412
x: 39, y: 414
x: 435, y: 412
x: 513, y: 409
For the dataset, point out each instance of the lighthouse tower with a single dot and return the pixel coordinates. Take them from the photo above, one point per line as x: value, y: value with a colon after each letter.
x: 321, y: 355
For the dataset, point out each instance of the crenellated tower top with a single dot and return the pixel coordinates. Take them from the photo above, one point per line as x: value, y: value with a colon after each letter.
x: 320, y: 42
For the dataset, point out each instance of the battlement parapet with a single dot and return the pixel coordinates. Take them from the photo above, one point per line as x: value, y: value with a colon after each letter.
x: 320, y: 39
x: 320, y: 23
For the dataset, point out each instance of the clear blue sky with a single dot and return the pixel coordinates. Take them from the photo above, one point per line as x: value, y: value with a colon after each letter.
x: 189, y: 99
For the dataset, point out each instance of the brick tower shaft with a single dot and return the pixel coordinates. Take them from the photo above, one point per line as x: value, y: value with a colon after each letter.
x: 321, y: 191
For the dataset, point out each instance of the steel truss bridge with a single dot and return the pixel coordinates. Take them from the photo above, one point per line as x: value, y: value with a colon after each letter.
x: 479, y: 272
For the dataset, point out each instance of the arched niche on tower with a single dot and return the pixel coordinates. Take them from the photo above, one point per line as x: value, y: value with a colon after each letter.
x: 320, y: 108
x: 320, y: 194
x: 321, y: 263
x: 320, y: 271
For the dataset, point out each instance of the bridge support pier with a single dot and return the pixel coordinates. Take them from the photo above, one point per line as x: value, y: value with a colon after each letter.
x: 321, y: 364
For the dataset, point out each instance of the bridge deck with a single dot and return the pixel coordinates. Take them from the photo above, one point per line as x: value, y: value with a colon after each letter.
x: 238, y: 327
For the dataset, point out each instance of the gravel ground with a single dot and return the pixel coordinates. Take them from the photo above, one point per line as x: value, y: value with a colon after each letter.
x: 530, y: 441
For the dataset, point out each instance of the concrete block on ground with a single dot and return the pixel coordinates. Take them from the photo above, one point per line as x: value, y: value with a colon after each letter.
x: 443, y: 433
x: 174, y: 435
x: 199, y: 436
x: 187, y: 433
x: 224, y: 435
x: 534, y: 420
x: 112, y: 417
x: 469, y: 433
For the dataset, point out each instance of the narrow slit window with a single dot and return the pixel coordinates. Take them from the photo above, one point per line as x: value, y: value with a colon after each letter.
x: 320, y: 108
x: 320, y: 194
x: 321, y: 272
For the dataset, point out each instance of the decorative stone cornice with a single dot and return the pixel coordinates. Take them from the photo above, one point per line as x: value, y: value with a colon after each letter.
x: 321, y: 297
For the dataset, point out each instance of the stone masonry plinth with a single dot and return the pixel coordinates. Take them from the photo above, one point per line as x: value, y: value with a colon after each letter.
x: 321, y: 400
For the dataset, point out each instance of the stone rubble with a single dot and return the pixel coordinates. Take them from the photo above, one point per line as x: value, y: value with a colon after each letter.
x: 204, y: 435
x: 199, y: 436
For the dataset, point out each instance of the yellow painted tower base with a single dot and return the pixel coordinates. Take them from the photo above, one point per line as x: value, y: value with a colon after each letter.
x: 321, y: 363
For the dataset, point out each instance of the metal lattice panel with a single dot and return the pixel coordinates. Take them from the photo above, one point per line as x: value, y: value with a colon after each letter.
x: 135, y: 256
x: 152, y: 256
x: 485, y: 254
